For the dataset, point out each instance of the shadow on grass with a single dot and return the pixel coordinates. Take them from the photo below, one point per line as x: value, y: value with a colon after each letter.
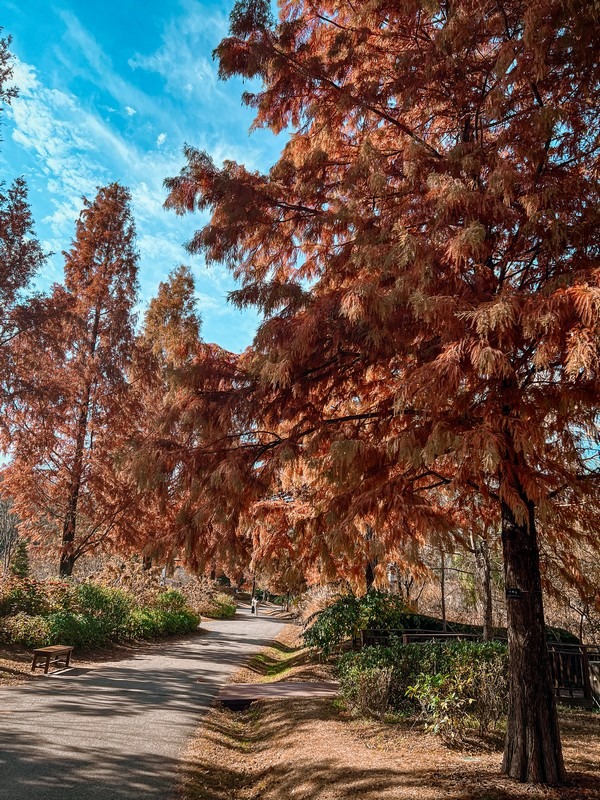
x: 251, y: 754
x: 268, y: 666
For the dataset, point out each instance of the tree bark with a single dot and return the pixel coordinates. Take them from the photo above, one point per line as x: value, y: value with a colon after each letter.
x: 371, y: 559
x: 369, y: 576
x: 67, y: 562
x: 68, y: 556
x: 443, y: 588
x: 484, y: 569
x: 532, y: 751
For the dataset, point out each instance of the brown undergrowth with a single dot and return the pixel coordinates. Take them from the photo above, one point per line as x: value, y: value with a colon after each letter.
x: 312, y: 749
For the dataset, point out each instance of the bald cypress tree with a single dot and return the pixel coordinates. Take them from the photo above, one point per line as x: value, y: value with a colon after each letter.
x: 425, y: 255
x: 68, y: 427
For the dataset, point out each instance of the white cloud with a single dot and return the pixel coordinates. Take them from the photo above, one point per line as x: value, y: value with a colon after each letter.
x: 180, y: 60
x: 75, y: 149
x: 101, y: 71
x: 47, y: 123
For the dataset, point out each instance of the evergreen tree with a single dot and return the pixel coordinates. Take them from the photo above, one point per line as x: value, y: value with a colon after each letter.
x: 19, y: 562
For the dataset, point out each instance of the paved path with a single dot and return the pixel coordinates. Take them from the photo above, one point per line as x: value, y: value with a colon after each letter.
x: 116, y: 731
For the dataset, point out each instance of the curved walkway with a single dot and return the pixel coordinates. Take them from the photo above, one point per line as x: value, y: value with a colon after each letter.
x: 116, y: 731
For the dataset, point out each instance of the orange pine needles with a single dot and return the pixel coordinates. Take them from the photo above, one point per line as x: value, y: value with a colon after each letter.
x: 425, y: 255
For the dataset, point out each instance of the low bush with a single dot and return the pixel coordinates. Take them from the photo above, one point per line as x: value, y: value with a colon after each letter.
x: 219, y: 606
x: 450, y: 684
x: 348, y: 615
x: 151, y: 623
x: 171, y: 600
x: 106, y: 609
x: 371, y: 691
x: 30, y: 631
x: 71, y: 627
x: 40, y: 613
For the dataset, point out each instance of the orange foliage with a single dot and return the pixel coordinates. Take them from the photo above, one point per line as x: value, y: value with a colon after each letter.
x: 71, y: 416
x: 425, y: 255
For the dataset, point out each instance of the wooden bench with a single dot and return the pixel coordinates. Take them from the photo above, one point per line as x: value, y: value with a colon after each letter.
x: 55, y: 654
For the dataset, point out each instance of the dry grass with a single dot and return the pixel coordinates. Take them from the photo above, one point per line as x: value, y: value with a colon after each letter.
x: 310, y: 749
x: 284, y: 660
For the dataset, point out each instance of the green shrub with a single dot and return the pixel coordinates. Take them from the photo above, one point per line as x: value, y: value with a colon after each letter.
x: 451, y: 684
x: 30, y: 631
x: 39, y: 613
x: 444, y: 703
x: 180, y: 622
x: 68, y: 627
x: 376, y: 610
x: 141, y: 624
x: 23, y: 595
x: 106, y: 602
x: 171, y: 600
x: 350, y: 614
x: 151, y: 623
x: 219, y: 606
x: 473, y: 690
x: 370, y: 691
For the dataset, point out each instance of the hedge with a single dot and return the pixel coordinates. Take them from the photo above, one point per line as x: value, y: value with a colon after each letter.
x: 40, y: 613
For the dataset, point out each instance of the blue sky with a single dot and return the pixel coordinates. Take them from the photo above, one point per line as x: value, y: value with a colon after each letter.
x: 111, y: 91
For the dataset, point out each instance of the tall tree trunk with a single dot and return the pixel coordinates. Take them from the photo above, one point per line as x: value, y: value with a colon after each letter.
x: 369, y: 575
x: 443, y: 589
x: 484, y: 569
x: 532, y: 749
x: 68, y: 555
x: 371, y: 560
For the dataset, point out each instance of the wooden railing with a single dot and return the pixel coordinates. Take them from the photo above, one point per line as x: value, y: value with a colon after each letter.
x: 372, y: 637
x: 574, y: 668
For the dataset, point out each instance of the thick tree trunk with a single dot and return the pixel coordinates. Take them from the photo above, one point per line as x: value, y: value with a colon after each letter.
x: 371, y: 560
x: 67, y: 553
x: 532, y: 750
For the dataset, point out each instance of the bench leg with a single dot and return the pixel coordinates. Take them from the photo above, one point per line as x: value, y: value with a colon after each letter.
x: 68, y: 661
x: 33, y: 664
x: 47, y: 664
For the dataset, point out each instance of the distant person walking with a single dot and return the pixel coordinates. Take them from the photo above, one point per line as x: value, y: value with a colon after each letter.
x: 253, y: 605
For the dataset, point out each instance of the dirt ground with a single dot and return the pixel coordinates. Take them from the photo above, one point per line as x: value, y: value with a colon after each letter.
x: 312, y: 749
